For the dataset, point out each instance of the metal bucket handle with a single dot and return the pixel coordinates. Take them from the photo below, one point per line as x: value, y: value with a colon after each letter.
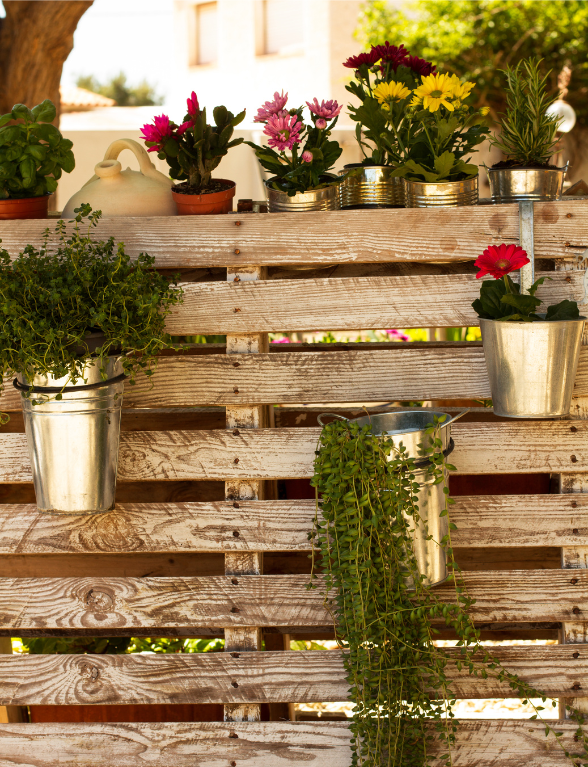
x: 334, y: 415
x: 65, y: 389
x: 442, y: 425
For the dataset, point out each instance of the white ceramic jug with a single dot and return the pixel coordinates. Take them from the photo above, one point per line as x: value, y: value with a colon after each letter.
x: 118, y: 192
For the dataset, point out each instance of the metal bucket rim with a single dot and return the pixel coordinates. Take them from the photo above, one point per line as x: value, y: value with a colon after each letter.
x: 368, y: 418
x: 524, y: 168
x: 540, y: 322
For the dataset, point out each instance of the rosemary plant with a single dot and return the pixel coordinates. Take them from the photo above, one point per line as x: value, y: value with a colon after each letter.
x: 384, y: 615
x: 528, y: 136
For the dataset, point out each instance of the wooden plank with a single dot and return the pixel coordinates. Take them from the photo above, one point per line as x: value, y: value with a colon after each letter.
x: 502, y: 521
x: 484, y: 743
x: 253, y: 677
x: 560, y: 228
x: 439, y: 300
x: 480, y: 448
x: 8, y: 713
x: 328, y: 237
x: 122, y: 606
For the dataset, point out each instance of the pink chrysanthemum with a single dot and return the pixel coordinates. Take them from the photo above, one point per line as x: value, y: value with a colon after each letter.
x: 193, y: 106
x: 307, y: 156
x: 321, y: 123
x: 500, y: 260
x: 270, y: 108
x: 326, y: 109
x: 158, y: 132
x: 283, y: 131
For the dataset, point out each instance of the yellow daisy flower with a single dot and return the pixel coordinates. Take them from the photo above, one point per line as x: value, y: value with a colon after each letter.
x: 484, y: 111
x: 436, y: 90
x: 386, y: 93
x: 460, y: 90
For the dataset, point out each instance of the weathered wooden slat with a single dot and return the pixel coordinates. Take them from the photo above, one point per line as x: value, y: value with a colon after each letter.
x: 503, y: 521
x: 329, y: 237
x: 343, y: 303
x: 121, y: 606
x: 480, y: 448
x: 250, y: 677
x: 560, y: 228
x: 484, y: 743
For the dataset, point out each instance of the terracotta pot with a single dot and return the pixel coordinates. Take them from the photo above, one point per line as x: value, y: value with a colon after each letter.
x: 206, y: 204
x: 26, y: 207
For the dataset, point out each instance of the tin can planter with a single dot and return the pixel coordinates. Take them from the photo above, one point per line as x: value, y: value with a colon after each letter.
x: 25, y: 207
x: 409, y: 428
x: 444, y: 194
x: 325, y: 198
x: 532, y: 366
x: 206, y: 204
x: 526, y: 184
x: 73, y: 442
x: 370, y: 186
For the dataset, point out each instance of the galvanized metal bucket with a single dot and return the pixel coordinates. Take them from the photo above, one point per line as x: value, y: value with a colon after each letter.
x: 444, y: 194
x: 325, y: 198
x: 408, y: 428
x: 73, y: 442
x: 532, y: 366
x: 525, y: 184
x: 371, y: 187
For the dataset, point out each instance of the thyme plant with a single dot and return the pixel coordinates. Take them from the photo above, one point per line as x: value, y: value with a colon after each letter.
x: 51, y: 299
x: 528, y: 133
x: 384, y: 615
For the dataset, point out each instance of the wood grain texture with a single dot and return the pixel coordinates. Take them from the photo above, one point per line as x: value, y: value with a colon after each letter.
x: 560, y: 228
x: 502, y: 521
x: 254, y: 677
x: 343, y: 303
x: 480, y: 448
x: 122, y: 606
x: 329, y: 237
x: 483, y: 743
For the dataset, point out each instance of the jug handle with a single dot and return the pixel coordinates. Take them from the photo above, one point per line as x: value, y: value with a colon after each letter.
x: 333, y: 415
x: 146, y: 167
x: 455, y: 417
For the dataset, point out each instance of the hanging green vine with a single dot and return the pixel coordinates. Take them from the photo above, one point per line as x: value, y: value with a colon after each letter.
x: 384, y: 614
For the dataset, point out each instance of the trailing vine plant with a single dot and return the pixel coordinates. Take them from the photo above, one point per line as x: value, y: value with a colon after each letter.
x: 385, y: 616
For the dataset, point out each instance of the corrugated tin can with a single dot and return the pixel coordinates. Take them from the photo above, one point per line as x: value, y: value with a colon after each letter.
x: 444, y: 194
x: 371, y: 187
x: 325, y: 198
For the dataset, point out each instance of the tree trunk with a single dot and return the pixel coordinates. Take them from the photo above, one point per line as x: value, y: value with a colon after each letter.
x: 35, y: 40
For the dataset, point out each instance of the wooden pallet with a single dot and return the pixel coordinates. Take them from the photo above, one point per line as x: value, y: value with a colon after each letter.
x: 201, y: 547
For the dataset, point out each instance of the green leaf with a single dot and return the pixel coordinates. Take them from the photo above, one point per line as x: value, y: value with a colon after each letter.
x: 5, y: 119
x: 565, y: 310
x: 220, y: 115
x: 27, y: 169
x: 37, y: 151
x: 524, y: 304
x: 44, y: 112
x: 22, y: 112
x: 444, y: 164
x: 68, y: 162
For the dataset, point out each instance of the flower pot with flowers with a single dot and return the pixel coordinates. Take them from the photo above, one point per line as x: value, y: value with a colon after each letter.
x: 528, y: 136
x: 384, y: 77
x: 193, y: 150
x: 301, y: 181
x: 33, y: 155
x: 443, y: 130
x: 531, y: 356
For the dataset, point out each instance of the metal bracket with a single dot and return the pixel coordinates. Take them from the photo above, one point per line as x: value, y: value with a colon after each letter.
x: 527, y: 273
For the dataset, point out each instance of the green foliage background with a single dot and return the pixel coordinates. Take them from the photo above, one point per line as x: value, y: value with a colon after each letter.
x: 117, y: 88
x: 477, y: 38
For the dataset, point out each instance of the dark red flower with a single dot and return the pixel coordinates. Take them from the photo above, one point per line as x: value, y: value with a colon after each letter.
x: 500, y: 260
x: 419, y: 66
x: 393, y: 54
x: 370, y: 58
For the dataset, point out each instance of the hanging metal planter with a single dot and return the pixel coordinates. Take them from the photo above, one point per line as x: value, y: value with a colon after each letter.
x: 532, y: 366
x: 444, y: 194
x: 371, y: 186
x: 325, y: 198
x: 521, y: 184
x: 408, y: 427
x: 73, y: 442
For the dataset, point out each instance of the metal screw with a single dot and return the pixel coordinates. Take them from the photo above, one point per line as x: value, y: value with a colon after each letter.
x: 573, y: 459
x: 568, y: 215
x: 574, y: 505
x: 235, y: 390
x: 235, y: 610
x: 233, y: 735
x: 237, y: 278
x: 236, y: 432
x: 236, y: 533
x: 235, y: 655
x: 236, y: 460
x: 576, y: 610
x: 574, y: 581
x: 237, y: 251
x: 236, y: 505
x: 233, y: 764
x: 566, y: 244
x: 573, y: 428
x: 575, y: 531
x: 234, y: 684
x: 236, y: 364
x: 235, y: 581
x: 576, y: 686
x: 237, y: 223
x: 576, y: 655
x: 235, y: 311
x: 568, y: 279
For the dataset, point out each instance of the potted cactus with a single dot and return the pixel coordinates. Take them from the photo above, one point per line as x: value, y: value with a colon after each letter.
x: 33, y: 155
x: 193, y: 150
x: 528, y: 138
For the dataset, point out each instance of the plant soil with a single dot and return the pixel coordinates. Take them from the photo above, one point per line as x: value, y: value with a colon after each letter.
x: 215, y: 186
x: 527, y: 166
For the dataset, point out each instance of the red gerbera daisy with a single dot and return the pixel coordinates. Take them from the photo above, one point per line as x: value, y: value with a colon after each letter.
x: 500, y: 260
x: 370, y: 58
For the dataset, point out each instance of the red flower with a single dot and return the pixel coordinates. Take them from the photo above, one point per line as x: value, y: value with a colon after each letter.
x: 395, y: 54
x: 500, y: 260
x: 158, y: 132
x: 370, y: 58
x: 420, y: 66
x: 193, y: 106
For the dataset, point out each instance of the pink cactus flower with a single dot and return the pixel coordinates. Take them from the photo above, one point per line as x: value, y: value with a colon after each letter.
x: 326, y: 109
x: 283, y: 340
x: 307, y: 156
x: 275, y: 107
x: 283, y: 131
x: 184, y: 127
x: 193, y: 106
x: 321, y: 123
x: 158, y: 132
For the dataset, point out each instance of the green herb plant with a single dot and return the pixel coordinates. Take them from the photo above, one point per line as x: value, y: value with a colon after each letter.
x: 528, y: 135
x: 385, y: 616
x: 52, y: 298
x: 33, y: 153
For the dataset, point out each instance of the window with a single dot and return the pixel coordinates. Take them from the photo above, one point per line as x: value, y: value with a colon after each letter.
x: 204, y: 35
x: 283, y: 26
